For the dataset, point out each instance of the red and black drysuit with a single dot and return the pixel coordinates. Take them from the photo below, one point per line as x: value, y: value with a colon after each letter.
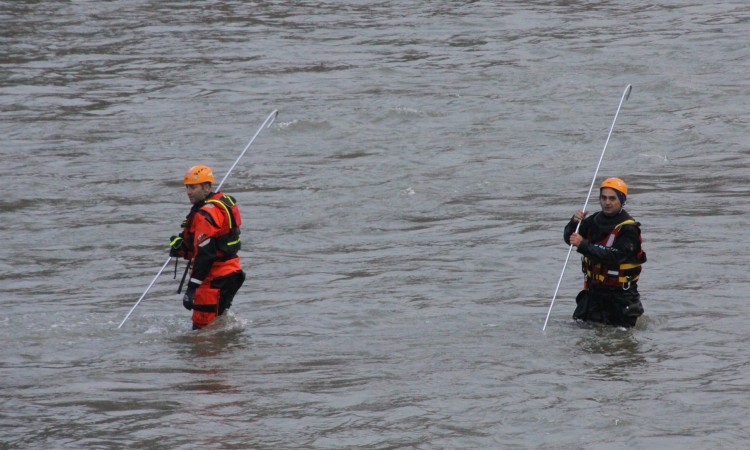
x: 211, y: 240
x: 611, y: 262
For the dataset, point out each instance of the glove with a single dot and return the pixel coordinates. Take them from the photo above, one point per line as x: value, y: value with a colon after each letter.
x: 187, y: 299
x: 175, y: 245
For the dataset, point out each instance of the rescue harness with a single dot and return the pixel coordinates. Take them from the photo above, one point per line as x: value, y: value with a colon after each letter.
x: 598, y: 274
x: 228, y: 240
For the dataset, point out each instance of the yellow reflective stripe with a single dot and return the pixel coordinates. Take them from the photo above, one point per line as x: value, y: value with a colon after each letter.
x: 627, y: 222
x: 625, y: 266
x: 229, y: 215
x: 619, y: 279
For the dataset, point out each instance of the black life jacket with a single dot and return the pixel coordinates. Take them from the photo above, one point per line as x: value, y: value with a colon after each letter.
x: 598, y: 274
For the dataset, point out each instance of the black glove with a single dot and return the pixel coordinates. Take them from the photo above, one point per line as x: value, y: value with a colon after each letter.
x: 187, y: 299
x: 175, y: 245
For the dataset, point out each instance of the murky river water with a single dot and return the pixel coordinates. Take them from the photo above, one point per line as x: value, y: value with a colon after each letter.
x: 403, y: 220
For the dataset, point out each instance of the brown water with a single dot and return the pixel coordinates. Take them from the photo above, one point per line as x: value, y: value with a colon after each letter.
x: 403, y: 221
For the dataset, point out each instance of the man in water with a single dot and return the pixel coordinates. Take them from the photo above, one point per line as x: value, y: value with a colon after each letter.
x: 610, y: 242
x: 210, y: 240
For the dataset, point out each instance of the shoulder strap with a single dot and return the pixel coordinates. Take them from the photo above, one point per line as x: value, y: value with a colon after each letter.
x: 626, y: 222
x: 226, y: 202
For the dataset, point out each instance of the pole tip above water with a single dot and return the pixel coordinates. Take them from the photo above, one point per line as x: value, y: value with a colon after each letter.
x: 274, y: 114
x: 627, y: 91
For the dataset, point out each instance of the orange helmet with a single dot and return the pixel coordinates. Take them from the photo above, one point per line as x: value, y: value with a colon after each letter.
x: 198, y: 175
x: 616, y: 184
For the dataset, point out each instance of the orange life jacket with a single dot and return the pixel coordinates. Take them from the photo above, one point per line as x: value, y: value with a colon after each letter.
x: 228, y: 222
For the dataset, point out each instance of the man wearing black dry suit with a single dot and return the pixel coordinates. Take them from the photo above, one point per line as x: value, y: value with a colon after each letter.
x: 610, y: 242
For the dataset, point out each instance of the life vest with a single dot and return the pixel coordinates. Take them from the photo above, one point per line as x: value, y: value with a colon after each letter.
x: 598, y: 274
x: 228, y: 238
x: 228, y: 242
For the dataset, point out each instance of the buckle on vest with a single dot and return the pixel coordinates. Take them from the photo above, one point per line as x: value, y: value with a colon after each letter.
x: 626, y: 285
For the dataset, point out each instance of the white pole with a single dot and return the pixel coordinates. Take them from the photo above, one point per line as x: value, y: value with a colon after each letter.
x: 266, y: 123
x: 144, y: 292
x: 624, y: 97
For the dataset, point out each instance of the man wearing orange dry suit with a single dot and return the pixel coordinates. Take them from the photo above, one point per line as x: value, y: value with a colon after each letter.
x: 210, y: 240
x: 610, y: 242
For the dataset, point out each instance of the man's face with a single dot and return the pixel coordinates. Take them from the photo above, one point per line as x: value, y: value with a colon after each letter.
x: 197, y: 192
x: 609, y: 202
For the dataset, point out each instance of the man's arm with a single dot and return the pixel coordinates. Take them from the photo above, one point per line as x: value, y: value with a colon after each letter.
x: 624, y: 249
x: 205, y: 247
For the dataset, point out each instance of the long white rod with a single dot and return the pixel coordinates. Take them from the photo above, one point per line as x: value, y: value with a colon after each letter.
x: 624, y: 97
